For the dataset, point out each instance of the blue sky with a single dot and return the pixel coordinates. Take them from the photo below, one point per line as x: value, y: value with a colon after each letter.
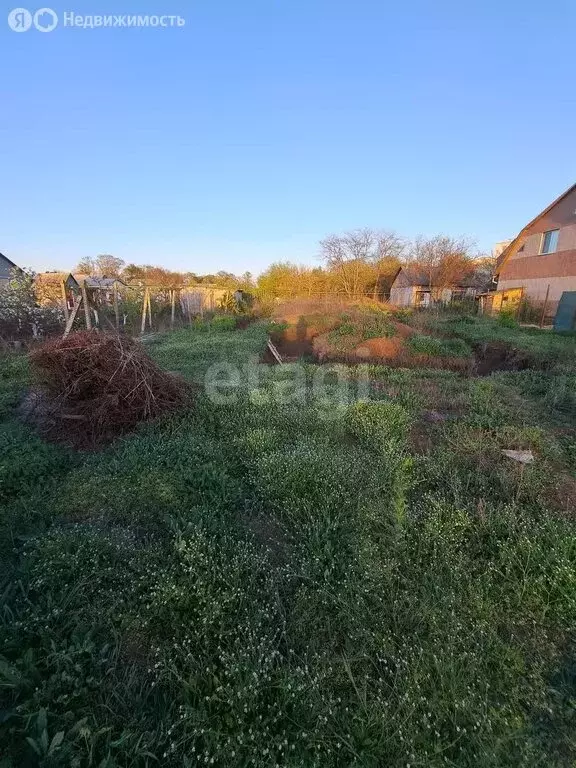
x: 261, y: 126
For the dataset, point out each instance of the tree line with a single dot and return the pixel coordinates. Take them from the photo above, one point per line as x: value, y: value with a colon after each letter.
x: 106, y: 265
x: 362, y: 262
x: 366, y: 261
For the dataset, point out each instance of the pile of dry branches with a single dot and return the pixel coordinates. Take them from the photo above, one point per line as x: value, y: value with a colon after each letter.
x: 97, y: 386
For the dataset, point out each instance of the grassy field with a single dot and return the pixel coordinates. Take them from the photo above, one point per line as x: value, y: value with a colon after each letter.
x: 288, y: 575
x: 542, y: 346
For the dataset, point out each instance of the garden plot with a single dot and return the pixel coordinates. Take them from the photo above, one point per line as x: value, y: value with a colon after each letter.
x: 367, y: 335
x: 271, y: 581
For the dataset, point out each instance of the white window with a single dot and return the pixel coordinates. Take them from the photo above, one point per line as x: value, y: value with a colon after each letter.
x: 549, y: 242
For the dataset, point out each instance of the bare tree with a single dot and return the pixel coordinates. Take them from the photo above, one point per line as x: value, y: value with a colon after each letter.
x: 85, y: 266
x: 358, y: 258
x: 109, y: 266
x: 443, y: 259
x: 103, y: 265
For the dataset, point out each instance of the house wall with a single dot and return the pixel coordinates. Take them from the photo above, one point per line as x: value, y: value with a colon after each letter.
x: 535, y: 288
x: 200, y: 298
x: 403, y: 292
x: 403, y: 296
x: 5, y: 271
x: 532, y: 243
x: 444, y: 295
x: 528, y: 269
x: 507, y: 300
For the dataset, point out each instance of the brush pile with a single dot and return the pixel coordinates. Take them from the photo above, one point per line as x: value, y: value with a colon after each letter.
x: 97, y: 386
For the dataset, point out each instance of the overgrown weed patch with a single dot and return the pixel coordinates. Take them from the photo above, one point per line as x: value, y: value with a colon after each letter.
x: 268, y: 582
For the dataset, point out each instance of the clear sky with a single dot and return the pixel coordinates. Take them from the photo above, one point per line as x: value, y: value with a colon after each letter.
x: 263, y: 125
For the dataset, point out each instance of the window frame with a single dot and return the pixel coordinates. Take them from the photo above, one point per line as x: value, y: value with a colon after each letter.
x: 541, y: 251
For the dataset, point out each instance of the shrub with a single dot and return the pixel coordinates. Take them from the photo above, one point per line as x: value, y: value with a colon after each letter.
x: 20, y: 315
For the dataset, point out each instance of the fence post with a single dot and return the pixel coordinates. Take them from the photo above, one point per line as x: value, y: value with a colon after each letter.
x: 144, y: 302
x: 86, y: 307
x: 116, y: 309
x: 64, y: 300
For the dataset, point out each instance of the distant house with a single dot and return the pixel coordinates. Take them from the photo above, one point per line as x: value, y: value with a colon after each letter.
x: 7, y: 268
x: 541, y: 259
x: 411, y: 288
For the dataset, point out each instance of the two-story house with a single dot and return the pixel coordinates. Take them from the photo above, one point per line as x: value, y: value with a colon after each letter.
x: 542, y: 257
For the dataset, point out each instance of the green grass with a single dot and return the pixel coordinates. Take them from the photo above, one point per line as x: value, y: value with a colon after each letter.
x: 543, y: 346
x: 363, y: 324
x: 294, y: 578
x: 437, y: 347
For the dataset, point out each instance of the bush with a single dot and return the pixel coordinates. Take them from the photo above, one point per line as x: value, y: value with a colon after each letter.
x: 20, y: 315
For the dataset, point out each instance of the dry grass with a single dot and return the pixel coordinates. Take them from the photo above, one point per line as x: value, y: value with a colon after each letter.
x: 97, y: 386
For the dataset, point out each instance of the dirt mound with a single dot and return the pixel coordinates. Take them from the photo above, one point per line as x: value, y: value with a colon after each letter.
x: 96, y: 386
x: 384, y: 350
x: 403, y: 330
x: 387, y: 348
x: 354, y: 349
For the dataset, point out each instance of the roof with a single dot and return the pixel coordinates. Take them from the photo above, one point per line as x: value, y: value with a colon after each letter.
x: 10, y: 261
x: 421, y: 278
x: 98, y: 283
x: 102, y: 283
x: 507, y: 252
x: 54, y: 277
x: 415, y: 275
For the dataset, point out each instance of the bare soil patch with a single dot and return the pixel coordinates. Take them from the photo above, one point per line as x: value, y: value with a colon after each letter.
x: 385, y: 350
x: 293, y: 343
x: 385, y: 347
x: 495, y: 356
